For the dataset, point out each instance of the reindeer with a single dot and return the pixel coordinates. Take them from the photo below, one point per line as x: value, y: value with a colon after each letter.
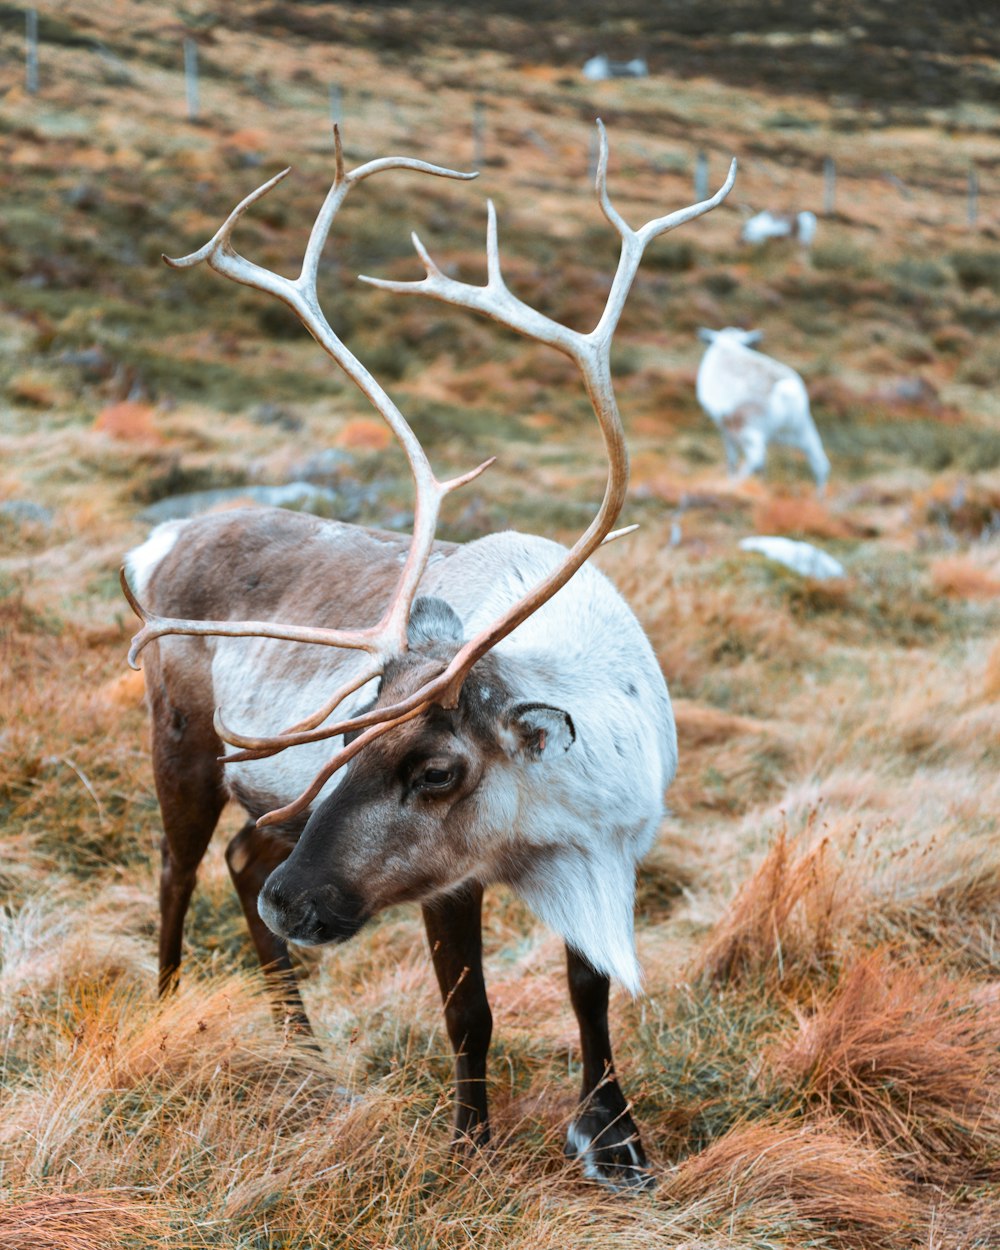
x: 503, y: 718
x: 767, y: 225
x: 755, y: 400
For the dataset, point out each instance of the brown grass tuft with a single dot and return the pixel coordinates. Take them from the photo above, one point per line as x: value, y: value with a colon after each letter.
x: 783, y: 922
x: 960, y: 578
x: 804, y: 1173
x: 130, y: 422
x: 798, y: 516
x: 991, y: 674
x: 364, y: 434
x: 94, y: 1220
x: 912, y: 1063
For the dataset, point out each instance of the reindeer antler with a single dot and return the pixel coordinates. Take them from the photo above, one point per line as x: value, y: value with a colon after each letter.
x: 592, y: 355
x: 388, y: 637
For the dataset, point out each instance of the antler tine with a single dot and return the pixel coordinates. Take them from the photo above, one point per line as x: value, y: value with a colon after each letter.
x: 389, y: 635
x: 221, y: 237
x: 158, y: 626
x: 301, y: 732
x: 336, y: 762
x: 592, y: 354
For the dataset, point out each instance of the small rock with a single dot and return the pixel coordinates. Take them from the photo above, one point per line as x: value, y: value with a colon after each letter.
x: 915, y: 390
x: 93, y: 362
x: 271, y: 414
x: 85, y: 195
x: 296, y: 496
x: 801, y: 558
x: 326, y: 467
x: 26, y: 512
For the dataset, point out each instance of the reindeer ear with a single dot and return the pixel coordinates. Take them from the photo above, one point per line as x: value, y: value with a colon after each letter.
x: 752, y: 336
x: 706, y: 336
x: 432, y: 620
x: 531, y: 730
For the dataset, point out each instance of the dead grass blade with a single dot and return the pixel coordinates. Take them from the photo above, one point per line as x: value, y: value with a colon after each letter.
x: 909, y: 1060
x: 93, y: 1220
x: 803, y: 1173
x: 784, y: 922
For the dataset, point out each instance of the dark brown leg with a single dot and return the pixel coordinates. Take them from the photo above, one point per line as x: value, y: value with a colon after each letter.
x: 189, y: 819
x: 252, y: 856
x: 454, y: 930
x: 603, y: 1136
x: 190, y: 789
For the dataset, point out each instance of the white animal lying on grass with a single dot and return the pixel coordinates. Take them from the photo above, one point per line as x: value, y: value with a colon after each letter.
x: 768, y: 225
x: 754, y: 401
x: 801, y: 558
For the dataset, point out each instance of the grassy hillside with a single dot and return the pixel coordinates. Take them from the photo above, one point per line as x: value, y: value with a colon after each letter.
x: 815, y: 1059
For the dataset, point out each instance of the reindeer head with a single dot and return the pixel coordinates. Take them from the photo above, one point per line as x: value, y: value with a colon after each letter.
x: 424, y: 808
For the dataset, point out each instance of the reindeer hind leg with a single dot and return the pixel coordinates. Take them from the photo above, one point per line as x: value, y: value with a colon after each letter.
x: 191, y: 791
x: 190, y: 810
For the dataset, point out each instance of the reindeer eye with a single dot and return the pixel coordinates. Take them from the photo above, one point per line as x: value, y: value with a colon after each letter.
x: 436, y: 778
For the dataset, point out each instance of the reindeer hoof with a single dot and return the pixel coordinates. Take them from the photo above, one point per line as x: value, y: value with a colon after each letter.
x: 609, y: 1151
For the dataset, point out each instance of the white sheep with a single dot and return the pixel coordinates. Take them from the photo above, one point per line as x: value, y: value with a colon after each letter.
x: 754, y: 401
x: 768, y: 225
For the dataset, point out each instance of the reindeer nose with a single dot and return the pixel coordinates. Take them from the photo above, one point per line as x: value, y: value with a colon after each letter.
x: 305, y: 915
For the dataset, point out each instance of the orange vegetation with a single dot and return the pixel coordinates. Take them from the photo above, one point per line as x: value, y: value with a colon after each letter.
x: 130, y: 422
x: 799, y: 516
x: 912, y: 1062
x: 814, y: 1173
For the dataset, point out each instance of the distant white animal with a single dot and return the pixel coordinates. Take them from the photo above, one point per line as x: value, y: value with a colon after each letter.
x: 802, y: 558
x: 755, y: 400
x: 600, y: 68
x: 768, y: 225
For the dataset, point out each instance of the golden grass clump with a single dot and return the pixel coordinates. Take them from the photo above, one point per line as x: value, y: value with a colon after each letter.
x: 802, y: 1174
x: 799, y: 516
x: 961, y: 578
x: 991, y: 674
x: 92, y: 1220
x: 731, y: 762
x: 910, y: 1061
x: 784, y: 922
x: 944, y: 896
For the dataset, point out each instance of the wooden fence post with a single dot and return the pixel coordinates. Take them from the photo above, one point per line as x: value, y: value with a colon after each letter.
x: 700, y: 177
x: 478, y: 133
x: 31, y: 51
x: 972, y: 210
x: 191, y: 78
x: 592, y: 157
x: 829, y: 187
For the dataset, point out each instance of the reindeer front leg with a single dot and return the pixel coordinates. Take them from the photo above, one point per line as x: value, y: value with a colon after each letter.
x: 454, y: 930
x: 603, y: 1136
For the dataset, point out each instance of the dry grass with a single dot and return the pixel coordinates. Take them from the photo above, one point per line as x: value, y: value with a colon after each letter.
x: 784, y: 924
x: 818, y: 923
x: 909, y: 1060
x: 90, y: 1220
x: 959, y: 577
x: 799, y: 516
x: 812, y: 1175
